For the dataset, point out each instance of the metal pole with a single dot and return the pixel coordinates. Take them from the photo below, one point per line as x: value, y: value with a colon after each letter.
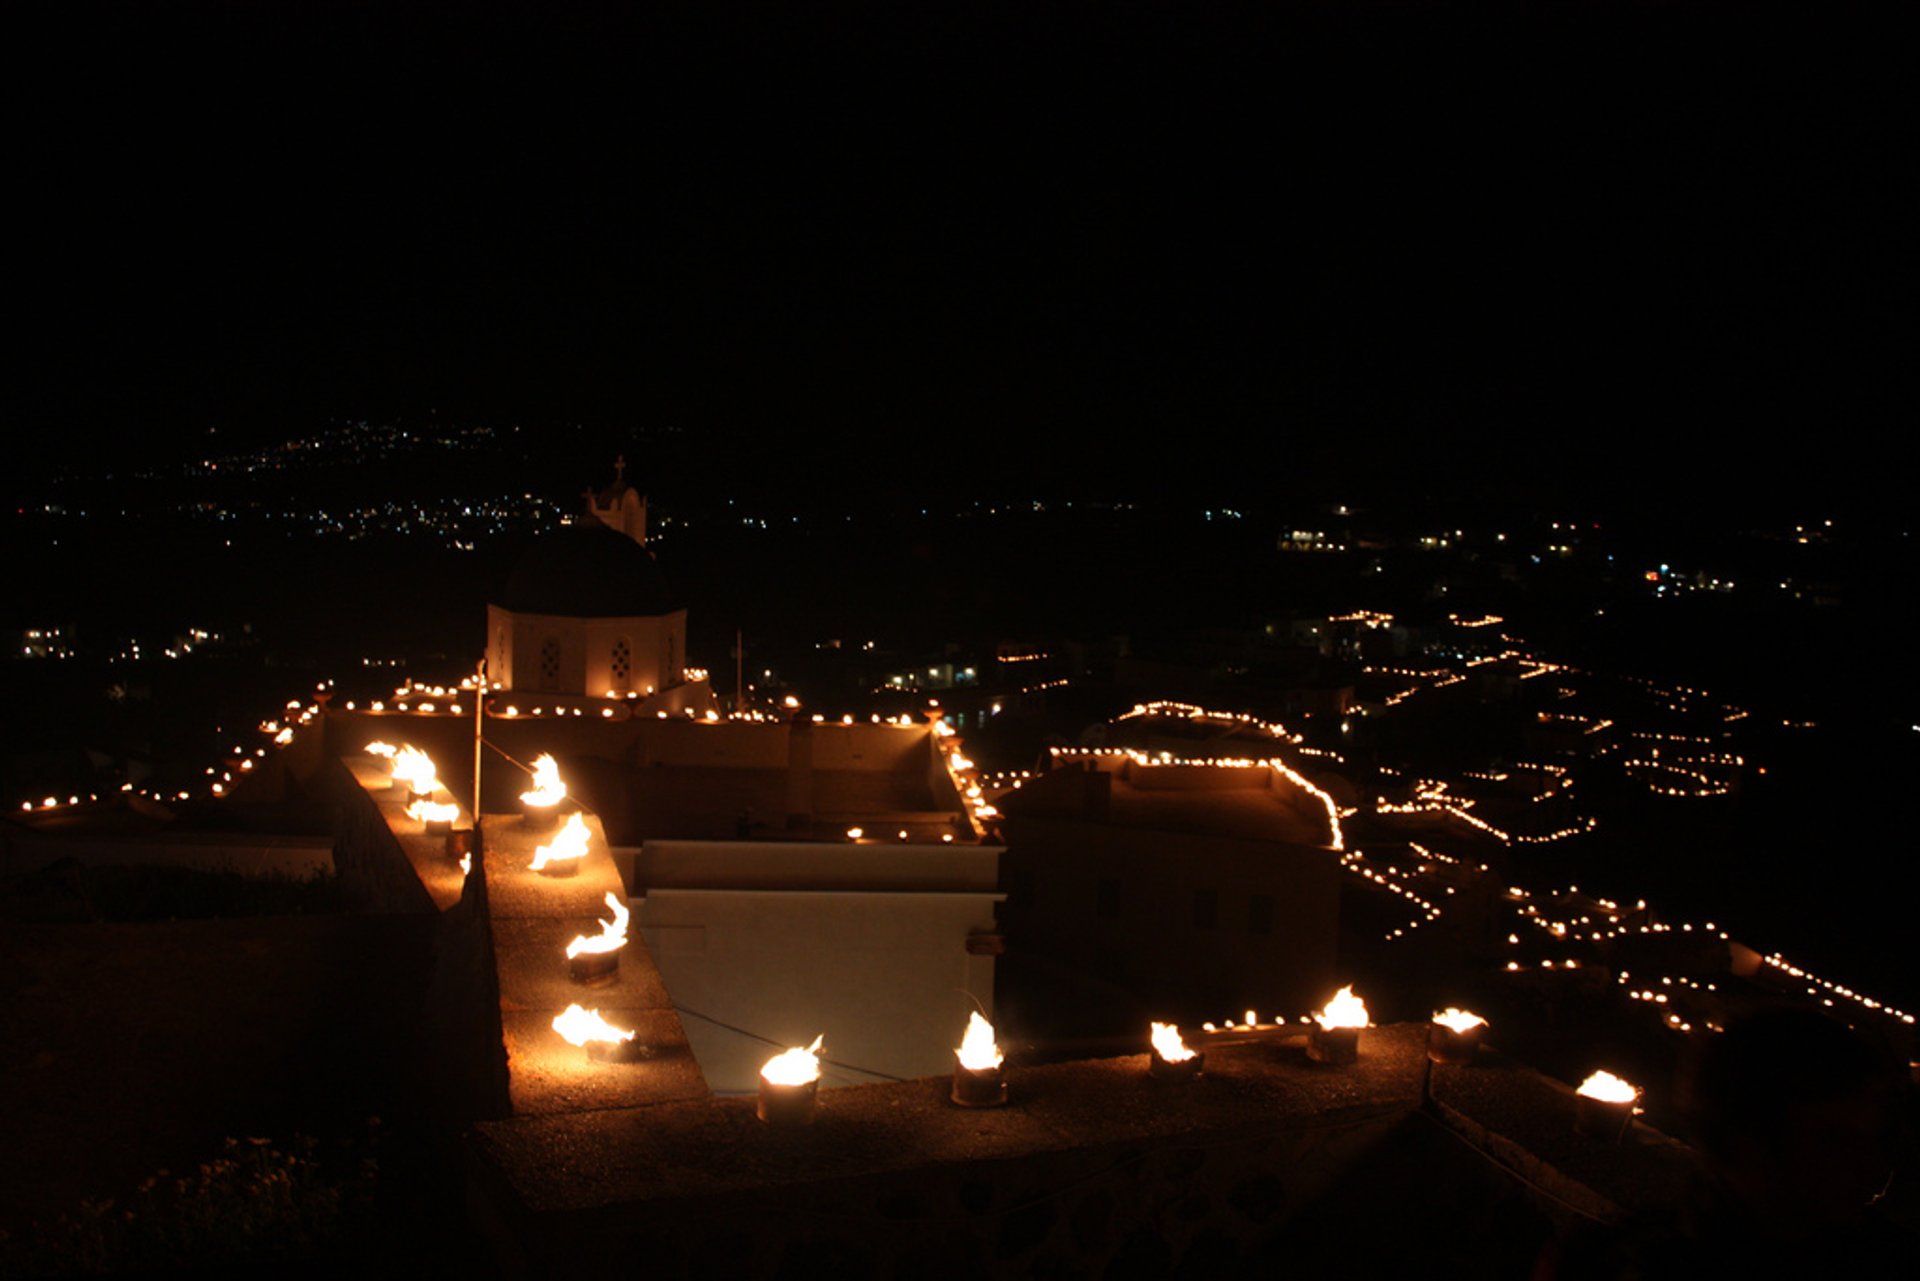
x: 479, y: 721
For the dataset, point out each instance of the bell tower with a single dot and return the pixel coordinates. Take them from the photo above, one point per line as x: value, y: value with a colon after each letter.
x: 620, y: 506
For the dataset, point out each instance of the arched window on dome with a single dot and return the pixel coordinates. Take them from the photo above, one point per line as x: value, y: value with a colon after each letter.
x: 550, y: 664
x: 620, y: 665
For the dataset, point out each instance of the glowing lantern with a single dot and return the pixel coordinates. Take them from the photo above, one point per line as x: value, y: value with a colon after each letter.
x: 578, y: 1026
x: 539, y: 807
x: 789, y: 1083
x: 979, y: 1080
x: 1171, y: 1059
x: 1454, y: 1036
x: 1335, y: 1035
x: 1604, y: 1106
x: 563, y: 855
x: 597, y: 959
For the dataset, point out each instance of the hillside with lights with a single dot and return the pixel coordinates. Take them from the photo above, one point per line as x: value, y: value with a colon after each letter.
x: 1385, y: 880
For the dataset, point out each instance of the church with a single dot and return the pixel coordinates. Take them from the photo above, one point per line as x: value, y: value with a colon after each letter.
x: 788, y: 871
x: 587, y: 612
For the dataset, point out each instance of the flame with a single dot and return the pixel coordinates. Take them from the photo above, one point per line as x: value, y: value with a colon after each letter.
x: 377, y: 748
x: 415, y: 768
x: 1458, y: 1020
x: 612, y: 936
x: 577, y: 1026
x: 797, y: 1066
x: 1344, y: 1010
x: 570, y: 843
x: 433, y: 812
x: 547, y: 786
x: 1608, y: 1088
x: 1168, y: 1045
x: 466, y: 864
x: 977, y: 1051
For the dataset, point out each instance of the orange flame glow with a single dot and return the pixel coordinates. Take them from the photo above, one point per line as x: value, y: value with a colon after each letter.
x: 1608, y: 1088
x: 1344, y: 1010
x: 1458, y: 1020
x: 612, y: 936
x: 416, y: 769
x: 1168, y: 1045
x: 796, y: 1066
x: 577, y: 1026
x: 570, y: 843
x: 977, y: 1051
x: 548, y: 789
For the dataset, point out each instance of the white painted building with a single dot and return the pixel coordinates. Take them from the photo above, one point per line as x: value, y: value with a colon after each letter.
x: 883, y: 947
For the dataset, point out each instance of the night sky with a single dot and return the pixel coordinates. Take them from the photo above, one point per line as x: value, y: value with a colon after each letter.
x: 1582, y: 250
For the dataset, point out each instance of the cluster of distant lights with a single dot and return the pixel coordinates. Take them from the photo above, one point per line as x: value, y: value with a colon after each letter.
x: 1679, y: 699
x: 1675, y: 778
x: 1668, y: 584
x: 1309, y: 540
x: 1432, y: 796
x: 1586, y: 724
x: 45, y: 642
x: 1577, y: 925
x: 1441, y: 678
x: 1390, y: 879
x: 220, y: 778
x: 357, y: 441
x: 50, y: 642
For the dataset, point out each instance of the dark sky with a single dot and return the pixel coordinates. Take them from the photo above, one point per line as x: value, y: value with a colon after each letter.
x: 1587, y: 246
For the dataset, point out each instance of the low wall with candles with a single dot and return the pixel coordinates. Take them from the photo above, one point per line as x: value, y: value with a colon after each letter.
x: 393, y: 868
x: 1265, y: 1161
x: 681, y: 776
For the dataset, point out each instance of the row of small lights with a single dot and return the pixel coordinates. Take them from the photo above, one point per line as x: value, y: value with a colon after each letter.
x: 1278, y: 766
x: 1431, y: 796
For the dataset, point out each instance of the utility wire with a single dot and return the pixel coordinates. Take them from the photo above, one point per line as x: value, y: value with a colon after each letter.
x: 781, y: 1045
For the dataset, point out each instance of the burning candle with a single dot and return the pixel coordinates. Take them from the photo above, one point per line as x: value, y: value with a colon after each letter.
x: 979, y: 1080
x: 414, y: 770
x: 437, y: 816
x: 578, y: 1026
x: 597, y: 959
x: 789, y: 1083
x: 563, y: 855
x: 1171, y: 1059
x: 1335, y: 1035
x: 1604, y: 1106
x: 1454, y: 1036
x: 540, y: 806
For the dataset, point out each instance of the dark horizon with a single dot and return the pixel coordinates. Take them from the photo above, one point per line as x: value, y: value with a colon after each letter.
x: 1569, y: 251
